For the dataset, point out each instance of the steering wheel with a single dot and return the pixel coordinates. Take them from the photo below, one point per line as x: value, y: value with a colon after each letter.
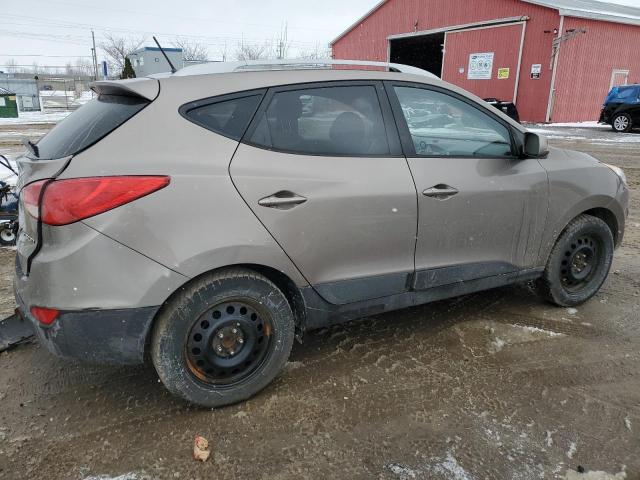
x: 430, y: 148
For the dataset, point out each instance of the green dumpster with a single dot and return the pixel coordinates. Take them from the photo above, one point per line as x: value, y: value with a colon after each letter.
x: 8, y: 104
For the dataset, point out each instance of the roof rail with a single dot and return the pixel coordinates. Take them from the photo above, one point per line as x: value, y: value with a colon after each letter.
x: 261, y: 65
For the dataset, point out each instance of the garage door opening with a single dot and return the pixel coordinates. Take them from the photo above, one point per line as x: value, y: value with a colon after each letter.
x: 424, y: 51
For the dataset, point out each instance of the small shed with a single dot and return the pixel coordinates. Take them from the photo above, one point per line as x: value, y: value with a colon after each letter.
x: 8, y: 104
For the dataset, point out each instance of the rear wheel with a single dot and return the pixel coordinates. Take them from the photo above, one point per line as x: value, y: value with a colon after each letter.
x: 223, y: 339
x: 622, y: 123
x: 579, y: 262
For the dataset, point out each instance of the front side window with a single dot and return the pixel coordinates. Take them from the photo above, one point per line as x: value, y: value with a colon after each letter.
x: 332, y: 121
x: 443, y: 126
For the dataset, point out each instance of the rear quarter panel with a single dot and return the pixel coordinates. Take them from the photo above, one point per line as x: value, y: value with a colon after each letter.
x: 199, y: 222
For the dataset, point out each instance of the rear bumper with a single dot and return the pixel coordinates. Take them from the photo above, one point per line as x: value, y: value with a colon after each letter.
x: 115, y: 337
x: 106, y: 292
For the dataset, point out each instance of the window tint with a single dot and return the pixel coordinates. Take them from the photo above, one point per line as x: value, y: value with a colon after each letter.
x: 88, y: 124
x: 441, y: 125
x: 229, y: 118
x: 324, y: 121
x: 626, y: 94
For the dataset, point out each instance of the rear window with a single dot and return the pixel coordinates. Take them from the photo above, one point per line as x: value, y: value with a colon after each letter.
x: 88, y: 124
x: 623, y: 94
x: 228, y: 117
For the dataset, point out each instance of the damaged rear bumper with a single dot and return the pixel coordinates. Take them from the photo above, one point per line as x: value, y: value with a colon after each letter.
x: 115, y: 337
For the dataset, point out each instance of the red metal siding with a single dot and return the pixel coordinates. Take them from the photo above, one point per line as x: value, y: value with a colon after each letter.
x: 586, y: 63
x: 503, y: 41
x: 368, y: 41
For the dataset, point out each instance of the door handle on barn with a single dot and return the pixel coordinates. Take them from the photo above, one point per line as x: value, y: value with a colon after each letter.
x: 440, y: 192
x: 284, y: 200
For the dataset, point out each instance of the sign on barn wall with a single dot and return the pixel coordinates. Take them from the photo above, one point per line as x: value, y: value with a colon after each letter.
x: 503, y: 73
x: 480, y: 66
x: 536, y: 70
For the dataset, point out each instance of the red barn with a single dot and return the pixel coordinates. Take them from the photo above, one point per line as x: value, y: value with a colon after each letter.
x: 555, y: 59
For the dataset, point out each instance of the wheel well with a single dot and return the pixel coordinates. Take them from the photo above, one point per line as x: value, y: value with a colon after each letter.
x: 282, y: 281
x: 290, y: 290
x: 607, y: 217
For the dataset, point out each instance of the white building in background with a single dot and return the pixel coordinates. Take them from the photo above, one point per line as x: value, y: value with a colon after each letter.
x: 149, y: 60
x: 25, y: 89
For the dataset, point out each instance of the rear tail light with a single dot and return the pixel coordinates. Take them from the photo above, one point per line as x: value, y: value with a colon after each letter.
x: 72, y: 200
x: 45, y: 316
x: 31, y: 197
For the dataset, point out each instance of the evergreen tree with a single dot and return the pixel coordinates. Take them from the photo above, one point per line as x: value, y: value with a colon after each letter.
x: 127, y: 71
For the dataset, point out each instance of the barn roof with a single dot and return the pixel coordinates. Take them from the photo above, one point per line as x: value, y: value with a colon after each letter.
x: 591, y: 9
x: 4, y: 91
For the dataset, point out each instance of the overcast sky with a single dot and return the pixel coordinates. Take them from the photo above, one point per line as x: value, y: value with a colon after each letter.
x: 52, y: 32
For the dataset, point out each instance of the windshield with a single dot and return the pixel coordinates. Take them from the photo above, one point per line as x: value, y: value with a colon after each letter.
x: 87, y: 125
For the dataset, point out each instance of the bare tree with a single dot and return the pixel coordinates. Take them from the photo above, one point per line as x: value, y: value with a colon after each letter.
x: 84, y: 67
x: 246, y: 52
x: 117, y: 49
x: 11, y: 65
x: 192, y: 51
x: 317, y: 53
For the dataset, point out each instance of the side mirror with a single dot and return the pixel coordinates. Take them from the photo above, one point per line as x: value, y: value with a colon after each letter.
x: 535, y: 145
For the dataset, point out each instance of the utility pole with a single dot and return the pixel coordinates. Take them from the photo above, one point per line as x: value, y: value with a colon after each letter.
x: 282, y: 44
x: 94, y: 55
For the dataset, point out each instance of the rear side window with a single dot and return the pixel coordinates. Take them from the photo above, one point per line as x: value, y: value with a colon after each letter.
x: 229, y: 117
x: 88, y: 124
x: 331, y: 121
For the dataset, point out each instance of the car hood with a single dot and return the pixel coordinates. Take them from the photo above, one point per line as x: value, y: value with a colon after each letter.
x: 560, y: 154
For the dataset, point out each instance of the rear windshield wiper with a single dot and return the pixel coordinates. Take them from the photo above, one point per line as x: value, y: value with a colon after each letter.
x: 33, y: 148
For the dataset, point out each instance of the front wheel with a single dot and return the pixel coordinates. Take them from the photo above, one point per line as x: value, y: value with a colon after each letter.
x: 579, y: 262
x: 622, y: 123
x: 223, y: 338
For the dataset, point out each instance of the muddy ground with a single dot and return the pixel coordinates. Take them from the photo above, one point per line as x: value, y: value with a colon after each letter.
x: 495, y: 385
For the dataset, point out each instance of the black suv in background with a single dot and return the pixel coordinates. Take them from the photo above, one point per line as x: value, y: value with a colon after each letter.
x: 622, y: 108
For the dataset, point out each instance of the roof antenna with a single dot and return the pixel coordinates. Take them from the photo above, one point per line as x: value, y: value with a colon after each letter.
x: 173, y: 69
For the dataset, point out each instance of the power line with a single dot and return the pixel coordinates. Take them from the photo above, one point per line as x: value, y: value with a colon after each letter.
x: 147, y: 13
x: 218, y: 40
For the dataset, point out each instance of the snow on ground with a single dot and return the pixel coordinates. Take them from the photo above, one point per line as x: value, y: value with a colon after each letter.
x: 33, y: 118
x: 57, y: 93
x: 592, y: 132
x: 452, y: 468
x: 574, y: 125
x: 126, y: 476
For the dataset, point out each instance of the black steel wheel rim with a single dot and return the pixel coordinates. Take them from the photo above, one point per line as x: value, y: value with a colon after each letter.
x: 581, y: 262
x: 229, y: 342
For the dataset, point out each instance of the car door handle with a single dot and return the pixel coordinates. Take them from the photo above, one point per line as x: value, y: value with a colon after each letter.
x: 284, y: 200
x: 441, y: 192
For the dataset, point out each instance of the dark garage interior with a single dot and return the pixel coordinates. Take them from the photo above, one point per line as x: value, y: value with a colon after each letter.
x: 424, y: 51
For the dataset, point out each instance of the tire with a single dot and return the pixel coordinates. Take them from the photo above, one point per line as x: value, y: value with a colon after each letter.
x: 223, y: 338
x: 622, y: 123
x: 579, y: 262
x: 7, y: 237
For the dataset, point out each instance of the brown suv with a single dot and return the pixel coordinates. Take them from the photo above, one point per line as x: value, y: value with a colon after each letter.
x: 208, y: 216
